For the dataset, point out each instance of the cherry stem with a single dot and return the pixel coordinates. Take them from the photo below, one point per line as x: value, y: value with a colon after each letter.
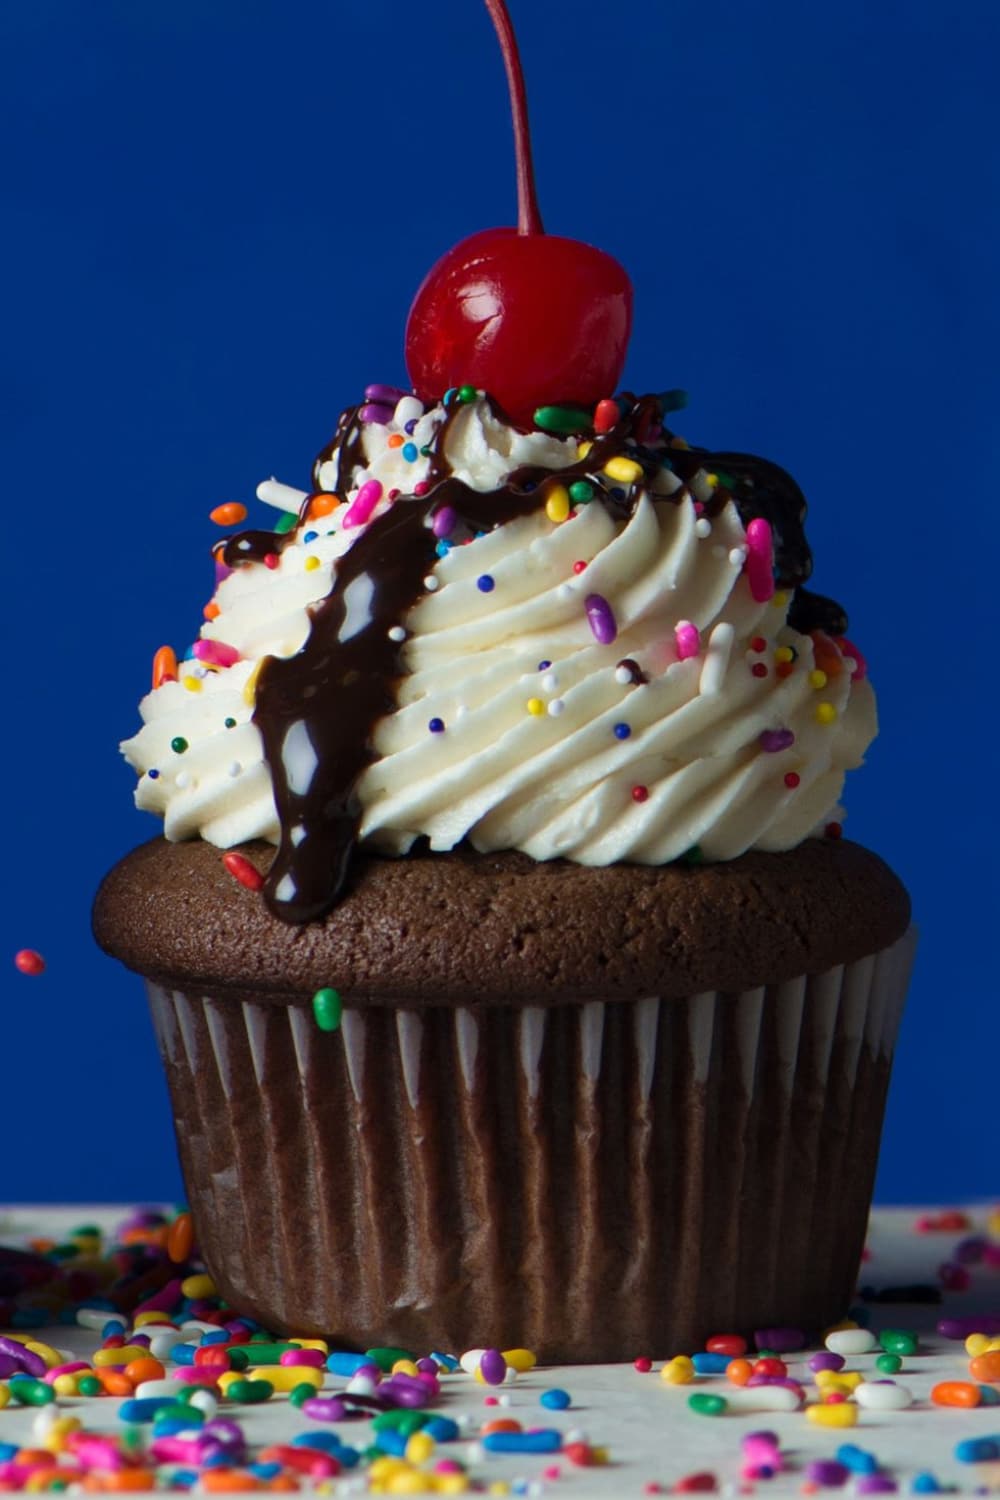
x: 529, y: 220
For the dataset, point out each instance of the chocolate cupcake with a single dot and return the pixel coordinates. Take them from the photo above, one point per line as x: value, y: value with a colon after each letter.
x: 550, y: 737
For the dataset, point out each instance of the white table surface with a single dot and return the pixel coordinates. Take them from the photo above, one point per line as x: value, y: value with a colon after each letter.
x: 645, y: 1424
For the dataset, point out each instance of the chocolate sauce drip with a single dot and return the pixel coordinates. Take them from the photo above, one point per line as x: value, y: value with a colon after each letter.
x: 317, y: 711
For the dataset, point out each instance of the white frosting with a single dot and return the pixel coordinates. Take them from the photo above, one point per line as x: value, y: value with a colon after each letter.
x: 570, y: 760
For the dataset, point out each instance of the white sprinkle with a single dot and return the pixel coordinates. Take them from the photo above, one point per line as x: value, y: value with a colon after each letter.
x: 720, y: 644
x: 850, y: 1341
x: 738, y: 556
x: 281, y: 496
x: 878, y: 1397
x: 703, y: 527
x: 397, y: 633
x: 565, y: 591
x: 408, y: 409
x: 199, y: 671
x: 550, y: 682
x: 623, y: 675
x: 556, y: 706
x: 235, y: 769
x: 503, y: 1400
x: 183, y: 779
x: 576, y: 1435
x: 432, y: 584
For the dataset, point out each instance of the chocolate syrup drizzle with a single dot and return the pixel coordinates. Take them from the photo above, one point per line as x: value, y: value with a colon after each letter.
x: 317, y: 710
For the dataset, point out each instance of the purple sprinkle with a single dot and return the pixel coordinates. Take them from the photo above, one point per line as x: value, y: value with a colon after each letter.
x: 9, y: 1366
x: 221, y: 572
x: 427, y: 1366
x: 780, y: 1340
x: 971, y: 1251
x: 953, y: 1328
x: 492, y: 1366
x: 224, y: 1431
x: 324, y: 1409
x: 543, y: 666
x: 443, y: 521
x: 384, y: 394
x: 827, y: 1360
x: 601, y: 618
x: 827, y: 1472
x: 28, y: 1361
x: 410, y: 427
x: 374, y: 411
x: 773, y: 740
x: 875, y: 1484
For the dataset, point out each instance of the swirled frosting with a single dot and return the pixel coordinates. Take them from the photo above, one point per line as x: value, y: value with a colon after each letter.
x: 569, y: 645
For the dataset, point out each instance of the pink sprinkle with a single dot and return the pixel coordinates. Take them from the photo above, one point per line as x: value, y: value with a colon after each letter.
x: 551, y: 1472
x: 96, y: 1452
x: 448, y: 1466
x: 421, y: 487
x: 216, y: 652
x: 76, y: 1364
x: 760, y: 560
x: 687, y: 639
x: 851, y: 651
x: 196, y: 1374
x: 364, y: 503
x: 313, y: 1357
x: 163, y: 1300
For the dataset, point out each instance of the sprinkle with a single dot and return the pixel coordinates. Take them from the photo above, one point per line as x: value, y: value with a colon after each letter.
x: 178, y: 744
x: 396, y: 440
x: 230, y: 514
x: 774, y: 740
x: 640, y: 793
x: 27, y: 961
x: 443, y: 521
x: 436, y: 726
x: 376, y: 411
x: 579, y: 566
x: 581, y: 492
x: 410, y: 452
x: 702, y: 527
x: 164, y: 666
x: 250, y: 686
x: 321, y: 504
x: 584, y: 449
x: 310, y: 536
x: 706, y: 1405
x: 485, y: 583
x: 817, y: 679
x: 311, y: 563
x: 758, y: 643
x: 242, y: 870
x: 365, y: 501
x: 535, y: 706
x: 561, y: 419
x: 792, y: 779
x: 193, y: 684
x: 432, y: 584
x: 643, y: 1364
x: 271, y: 560
x: 607, y: 414
x: 687, y: 640
x: 784, y: 654
x: 217, y: 653
x: 327, y: 1008
x: 825, y: 713
x: 211, y: 610
x: 759, y: 669
x: 286, y: 523
x: 737, y: 556
x: 153, y: 775
x: 600, y: 617
x: 467, y: 394
x: 557, y: 503
x: 556, y: 706
x: 623, y: 731
x: 623, y: 470
x: 628, y: 672
x: 833, y: 830
x: 396, y: 633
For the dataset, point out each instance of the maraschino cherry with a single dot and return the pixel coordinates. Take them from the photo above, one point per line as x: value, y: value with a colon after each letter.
x: 530, y: 317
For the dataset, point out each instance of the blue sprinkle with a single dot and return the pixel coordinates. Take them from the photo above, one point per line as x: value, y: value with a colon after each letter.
x: 446, y: 1361
x: 310, y: 536
x: 450, y: 395
x: 436, y: 726
x: 265, y: 1471
x: 392, y: 1442
x: 186, y: 1478
x: 326, y: 1442
x: 220, y: 1336
x: 217, y: 1461
x: 441, y: 1429
x: 112, y: 1328
x: 8, y: 1451
x: 143, y: 1409
x: 925, y: 1483
x: 542, y: 1440
x: 858, y: 1460
x: 170, y: 1426
x: 339, y: 1362
x: 556, y: 1399
x: 485, y: 584
x: 410, y: 427
x: 183, y: 1354
x: 707, y: 1363
x: 409, y: 452
x: 978, y: 1450
x: 989, y: 1395
x: 622, y: 732
x: 153, y: 775
x: 443, y: 547
x: 543, y: 666
x: 616, y: 492
x: 348, y: 1456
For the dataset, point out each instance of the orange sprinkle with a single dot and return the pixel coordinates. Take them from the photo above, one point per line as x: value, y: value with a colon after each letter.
x: 739, y: 1371
x: 283, y: 1482
x: 396, y: 441
x: 36, y: 1456
x: 139, y: 1236
x: 321, y: 505
x: 145, y: 1368
x: 42, y: 1247
x: 100, y: 1480
x: 115, y: 1383
x: 230, y: 514
x: 956, y: 1393
x: 500, y: 1424
x: 180, y: 1238
x: 164, y: 666
x: 983, y: 1367
x: 784, y: 669
x: 228, y: 1481
x: 211, y: 611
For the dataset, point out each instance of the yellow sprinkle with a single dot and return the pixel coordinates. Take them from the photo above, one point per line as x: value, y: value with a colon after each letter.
x: 250, y: 686
x: 51, y: 1356
x: 410, y: 1483
x: 193, y: 684
x: 976, y: 1344
x: 582, y: 452
x: 780, y: 599
x: 142, y: 1318
x: 843, y: 1414
x: 451, y: 1484
x: 557, y: 503
x: 196, y: 1287
x: 535, y: 706
x: 679, y: 1371
x: 228, y: 1376
x: 713, y: 480
x: 4, y: 1394
x: 311, y: 563
x: 404, y: 1367
x: 843, y: 1382
x: 817, y: 679
x: 65, y: 1385
x: 825, y: 713
x: 784, y: 653
x: 993, y: 1223
x: 522, y: 1360
x: 599, y: 1455
x: 623, y: 470
x: 419, y: 1448
x: 287, y: 1377
x: 55, y: 1439
x: 101, y: 1357
x: 320, y: 1344
x: 382, y: 1468
x: 499, y: 1487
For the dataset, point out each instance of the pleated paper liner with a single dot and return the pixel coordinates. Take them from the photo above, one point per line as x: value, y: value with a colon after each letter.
x: 592, y: 1181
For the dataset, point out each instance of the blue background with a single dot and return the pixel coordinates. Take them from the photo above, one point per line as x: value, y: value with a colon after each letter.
x: 215, y: 213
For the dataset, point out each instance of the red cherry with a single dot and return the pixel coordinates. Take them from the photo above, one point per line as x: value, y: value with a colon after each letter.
x: 530, y: 317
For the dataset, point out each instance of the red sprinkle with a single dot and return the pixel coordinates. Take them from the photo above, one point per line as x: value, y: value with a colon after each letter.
x: 728, y: 1343
x: 271, y: 560
x: 643, y: 1364
x: 242, y: 870
x: 578, y: 567
x: 640, y: 793
x: 606, y: 415
x: 758, y: 643
x: 759, y: 669
x: 579, y: 1453
x: 833, y: 830
x: 770, y: 1365
x: 695, y: 1483
x: 792, y: 779
x: 29, y: 962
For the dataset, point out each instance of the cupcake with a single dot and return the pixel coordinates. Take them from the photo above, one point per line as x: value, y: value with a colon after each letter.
x: 513, y: 981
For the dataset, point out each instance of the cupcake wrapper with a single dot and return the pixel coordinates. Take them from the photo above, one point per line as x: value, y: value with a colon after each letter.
x: 593, y: 1181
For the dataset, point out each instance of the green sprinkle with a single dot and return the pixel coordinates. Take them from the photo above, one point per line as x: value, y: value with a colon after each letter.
x: 580, y: 492
x: 267, y: 1353
x: 327, y: 1007
x: 300, y: 1394
x: 401, y: 1421
x: 179, y: 744
x: 898, y: 1341
x: 230, y: 723
x: 286, y: 522
x: 703, y: 1404
x: 386, y: 1358
x: 85, y: 1232
x: 889, y: 1364
x: 426, y: 450
x: 89, y: 1385
x: 672, y: 400
x: 467, y: 393
x: 182, y: 1411
x: 562, y: 419
x: 250, y: 1391
x: 726, y: 480
x: 31, y: 1392
x: 239, y: 1359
